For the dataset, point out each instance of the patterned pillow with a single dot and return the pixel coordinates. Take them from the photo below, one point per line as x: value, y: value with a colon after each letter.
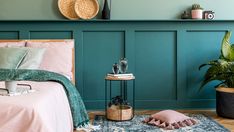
x: 169, y: 119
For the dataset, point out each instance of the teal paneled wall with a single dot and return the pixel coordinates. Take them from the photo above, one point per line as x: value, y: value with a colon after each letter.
x: 154, y: 65
x: 9, y: 34
x: 50, y: 34
x: 121, y: 9
x: 101, y: 50
x: 200, y: 48
x: 164, y: 56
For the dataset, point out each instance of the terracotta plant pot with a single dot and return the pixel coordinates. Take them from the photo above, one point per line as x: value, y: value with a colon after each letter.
x: 119, y: 113
x: 197, y: 14
x: 225, y: 102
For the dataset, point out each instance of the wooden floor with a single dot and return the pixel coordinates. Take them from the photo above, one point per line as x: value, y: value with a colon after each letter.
x: 228, y: 123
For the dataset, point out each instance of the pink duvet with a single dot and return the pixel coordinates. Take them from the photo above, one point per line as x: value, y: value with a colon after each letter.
x: 46, y: 110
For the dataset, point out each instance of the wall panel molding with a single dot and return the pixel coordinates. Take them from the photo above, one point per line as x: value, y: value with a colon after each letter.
x: 9, y: 34
x: 164, y: 55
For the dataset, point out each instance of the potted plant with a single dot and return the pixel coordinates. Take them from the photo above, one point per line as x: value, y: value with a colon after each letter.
x: 223, y: 71
x: 197, y: 11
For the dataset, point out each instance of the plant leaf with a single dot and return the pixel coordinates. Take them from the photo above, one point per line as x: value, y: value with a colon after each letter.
x: 215, y: 72
x: 214, y: 62
x: 226, y: 46
x: 231, y: 54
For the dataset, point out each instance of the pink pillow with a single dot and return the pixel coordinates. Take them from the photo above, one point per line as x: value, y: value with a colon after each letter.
x: 169, y: 119
x: 57, y: 57
x: 10, y: 43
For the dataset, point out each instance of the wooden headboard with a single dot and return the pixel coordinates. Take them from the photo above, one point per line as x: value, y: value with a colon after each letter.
x: 50, y: 40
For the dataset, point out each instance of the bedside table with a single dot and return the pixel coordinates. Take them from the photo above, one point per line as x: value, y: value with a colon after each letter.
x: 123, y: 94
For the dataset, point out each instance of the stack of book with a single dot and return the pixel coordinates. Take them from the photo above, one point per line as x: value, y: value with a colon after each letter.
x: 124, y: 75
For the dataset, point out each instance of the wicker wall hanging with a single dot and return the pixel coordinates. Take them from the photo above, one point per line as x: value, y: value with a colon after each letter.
x: 86, y: 9
x: 75, y: 9
x: 66, y: 7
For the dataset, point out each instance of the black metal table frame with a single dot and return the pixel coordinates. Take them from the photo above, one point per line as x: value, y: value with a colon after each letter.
x: 123, y: 94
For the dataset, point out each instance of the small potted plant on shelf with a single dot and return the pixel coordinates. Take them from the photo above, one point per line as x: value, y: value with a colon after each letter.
x: 197, y: 11
x: 223, y: 71
x: 119, y: 109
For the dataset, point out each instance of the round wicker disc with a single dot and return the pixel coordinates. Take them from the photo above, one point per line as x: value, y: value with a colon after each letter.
x: 86, y: 9
x: 66, y: 7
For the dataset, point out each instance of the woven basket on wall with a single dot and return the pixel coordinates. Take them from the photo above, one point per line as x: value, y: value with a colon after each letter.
x: 86, y: 9
x: 66, y: 7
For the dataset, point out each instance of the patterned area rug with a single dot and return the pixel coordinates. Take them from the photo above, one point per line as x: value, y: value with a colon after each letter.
x: 205, y: 124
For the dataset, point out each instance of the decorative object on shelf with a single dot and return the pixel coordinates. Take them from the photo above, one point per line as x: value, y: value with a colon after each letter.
x: 66, y: 7
x: 123, y: 64
x: 106, y: 10
x: 86, y: 9
x: 222, y: 70
x: 185, y: 15
x: 208, y: 15
x: 197, y: 11
x: 115, y: 68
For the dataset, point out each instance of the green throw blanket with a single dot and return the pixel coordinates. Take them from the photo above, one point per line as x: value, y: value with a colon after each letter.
x: 79, y: 113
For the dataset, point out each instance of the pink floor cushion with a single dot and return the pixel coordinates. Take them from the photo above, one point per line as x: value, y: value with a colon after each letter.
x: 169, y: 119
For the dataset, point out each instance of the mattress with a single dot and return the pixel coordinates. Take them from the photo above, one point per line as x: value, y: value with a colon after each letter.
x: 45, y: 110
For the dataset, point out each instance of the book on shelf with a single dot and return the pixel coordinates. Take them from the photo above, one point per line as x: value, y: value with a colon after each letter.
x: 120, y: 75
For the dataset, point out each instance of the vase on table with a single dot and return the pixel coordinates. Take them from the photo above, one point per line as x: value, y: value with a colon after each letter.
x: 115, y: 68
x: 123, y: 65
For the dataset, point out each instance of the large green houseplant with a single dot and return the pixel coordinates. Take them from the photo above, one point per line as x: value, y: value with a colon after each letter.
x: 223, y: 71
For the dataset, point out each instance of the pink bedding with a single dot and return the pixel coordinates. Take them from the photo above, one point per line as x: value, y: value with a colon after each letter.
x: 46, y: 110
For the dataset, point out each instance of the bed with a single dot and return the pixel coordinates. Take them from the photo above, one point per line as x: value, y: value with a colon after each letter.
x: 47, y: 109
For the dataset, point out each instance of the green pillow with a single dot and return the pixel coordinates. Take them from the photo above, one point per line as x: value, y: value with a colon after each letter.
x: 33, y: 58
x: 10, y: 58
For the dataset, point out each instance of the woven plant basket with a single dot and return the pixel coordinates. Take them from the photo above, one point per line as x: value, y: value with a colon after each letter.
x: 66, y: 7
x: 86, y: 9
x: 119, y: 113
